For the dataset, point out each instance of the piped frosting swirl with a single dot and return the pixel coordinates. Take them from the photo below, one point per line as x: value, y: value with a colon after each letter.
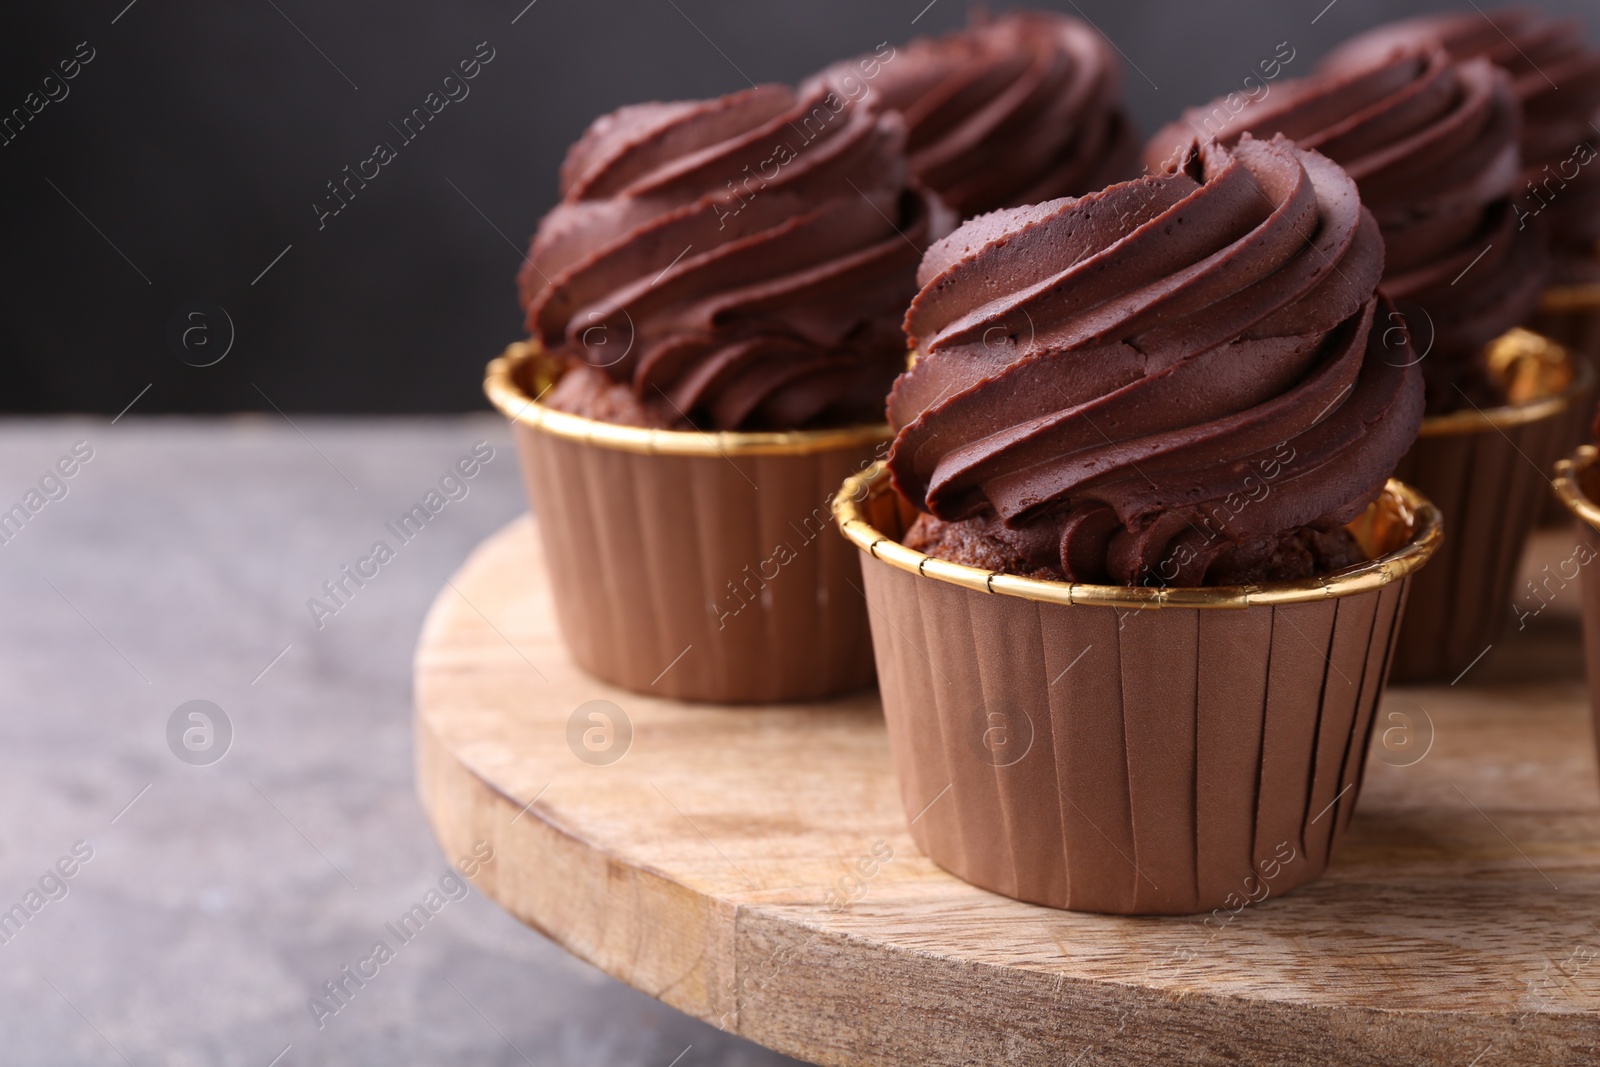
x: 1128, y: 386
x: 737, y: 263
x: 1013, y: 110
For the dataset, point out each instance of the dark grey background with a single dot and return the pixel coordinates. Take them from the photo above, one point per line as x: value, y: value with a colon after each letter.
x: 222, y: 898
x: 191, y: 149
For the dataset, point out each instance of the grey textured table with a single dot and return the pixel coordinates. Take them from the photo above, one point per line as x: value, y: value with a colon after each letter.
x: 221, y: 896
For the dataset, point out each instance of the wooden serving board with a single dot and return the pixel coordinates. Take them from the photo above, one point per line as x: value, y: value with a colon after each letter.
x: 751, y: 867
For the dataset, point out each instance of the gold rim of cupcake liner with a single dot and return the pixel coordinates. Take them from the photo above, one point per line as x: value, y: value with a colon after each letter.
x: 1565, y: 298
x: 1399, y: 511
x: 500, y: 384
x: 1569, y: 473
x: 1539, y: 375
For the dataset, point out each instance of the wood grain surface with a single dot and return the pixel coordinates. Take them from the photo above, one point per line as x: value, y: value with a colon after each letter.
x: 752, y: 868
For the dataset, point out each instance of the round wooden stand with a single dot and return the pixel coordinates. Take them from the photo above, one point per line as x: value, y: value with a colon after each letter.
x: 751, y: 867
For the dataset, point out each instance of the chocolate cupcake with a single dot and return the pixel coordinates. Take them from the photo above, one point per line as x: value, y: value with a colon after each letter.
x: 1556, y: 77
x: 1179, y: 381
x: 730, y: 264
x: 1011, y: 111
x: 1434, y: 145
x: 713, y: 308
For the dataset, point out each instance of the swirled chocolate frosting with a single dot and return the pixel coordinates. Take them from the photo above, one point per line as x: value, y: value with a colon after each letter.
x: 1013, y: 110
x: 737, y: 263
x: 1556, y: 77
x: 1162, y: 382
x: 1433, y: 146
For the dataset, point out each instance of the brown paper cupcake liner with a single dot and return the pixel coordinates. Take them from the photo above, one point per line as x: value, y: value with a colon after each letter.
x: 1570, y: 316
x: 697, y: 566
x: 1130, y: 750
x: 1577, y: 486
x: 1487, y: 472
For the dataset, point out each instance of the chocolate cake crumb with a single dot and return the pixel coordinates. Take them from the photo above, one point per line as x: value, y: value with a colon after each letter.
x: 594, y: 394
x: 967, y: 542
x: 1306, y: 552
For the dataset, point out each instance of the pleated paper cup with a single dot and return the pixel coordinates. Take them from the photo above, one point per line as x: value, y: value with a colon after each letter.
x: 1487, y: 472
x: 697, y: 566
x: 1130, y: 750
x: 1577, y: 485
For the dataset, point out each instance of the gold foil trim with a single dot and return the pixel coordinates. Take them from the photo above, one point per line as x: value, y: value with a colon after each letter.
x: 527, y: 362
x: 1571, y: 476
x: 1401, y: 529
x: 1538, y: 376
x: 1568, y: 298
